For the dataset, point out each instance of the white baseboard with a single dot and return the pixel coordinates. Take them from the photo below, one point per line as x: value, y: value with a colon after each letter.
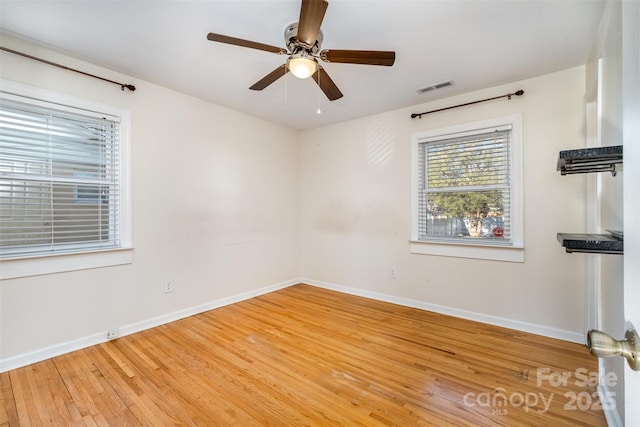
x: 533, y: 328
x: 610, y: 412
x: 181, y: 314
x: 100, y: 337
x: 608, y: 398
x: 45, y: 353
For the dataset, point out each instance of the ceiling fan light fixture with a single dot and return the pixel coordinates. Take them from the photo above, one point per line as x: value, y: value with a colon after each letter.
x: 302, y: 66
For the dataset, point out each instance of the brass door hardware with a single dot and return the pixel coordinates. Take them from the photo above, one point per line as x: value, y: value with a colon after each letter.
x: 603, y: 345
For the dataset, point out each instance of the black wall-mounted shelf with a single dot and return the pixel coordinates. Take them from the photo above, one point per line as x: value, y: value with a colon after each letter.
x: 592, y: 243
x: 586, y: 160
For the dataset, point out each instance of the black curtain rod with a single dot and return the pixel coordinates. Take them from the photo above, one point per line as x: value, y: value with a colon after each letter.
x: 122, y: 85
x: 509, y: 95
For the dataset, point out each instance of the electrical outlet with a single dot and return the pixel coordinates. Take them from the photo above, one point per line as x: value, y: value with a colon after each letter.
x: 392, y: 273
x: 113, y: 333
x: 168, y: 286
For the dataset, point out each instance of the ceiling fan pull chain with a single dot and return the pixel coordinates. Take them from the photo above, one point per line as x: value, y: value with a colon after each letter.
x: 286, y: 92
x: 318, y: 111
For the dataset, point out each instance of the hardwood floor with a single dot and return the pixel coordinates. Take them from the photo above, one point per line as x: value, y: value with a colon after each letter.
x: 309, y: 356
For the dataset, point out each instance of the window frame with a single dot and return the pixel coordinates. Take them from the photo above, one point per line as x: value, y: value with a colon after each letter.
x: 37, y: 264
x: 467, y: 248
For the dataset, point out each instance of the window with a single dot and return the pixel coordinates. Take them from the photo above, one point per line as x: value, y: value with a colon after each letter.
x: 467, y: 190
x: 63, y: 187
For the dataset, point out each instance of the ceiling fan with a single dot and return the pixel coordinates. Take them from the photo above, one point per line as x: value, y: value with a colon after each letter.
x: 303, y: 40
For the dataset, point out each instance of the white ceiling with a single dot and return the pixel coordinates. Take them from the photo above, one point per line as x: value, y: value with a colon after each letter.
x: 476, y: 43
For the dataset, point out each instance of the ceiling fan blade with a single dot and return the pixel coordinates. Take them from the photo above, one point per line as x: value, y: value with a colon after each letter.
x: 245, y: 43
x: 311, y: 16
x: 366, y: 57
x: 270, y: 78
x: 326, y: 84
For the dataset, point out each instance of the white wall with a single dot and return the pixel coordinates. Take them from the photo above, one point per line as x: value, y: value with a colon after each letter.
x: 215, y: 208
x: 355, y: 187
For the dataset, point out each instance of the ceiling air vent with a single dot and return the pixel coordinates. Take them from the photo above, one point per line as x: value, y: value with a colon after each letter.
x: 434, y: 87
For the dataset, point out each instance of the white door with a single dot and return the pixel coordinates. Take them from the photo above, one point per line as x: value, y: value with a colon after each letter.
x: 631, y: 143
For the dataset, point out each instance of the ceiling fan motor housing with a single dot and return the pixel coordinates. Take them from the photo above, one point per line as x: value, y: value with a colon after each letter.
x: 294, y: 45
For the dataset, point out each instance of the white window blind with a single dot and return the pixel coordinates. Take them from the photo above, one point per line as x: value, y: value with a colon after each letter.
x: 59, y: 179
x: 465, y: 187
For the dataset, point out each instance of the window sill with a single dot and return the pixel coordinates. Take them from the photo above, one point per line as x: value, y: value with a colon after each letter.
x: 476, y: 251
x: 59, y: 263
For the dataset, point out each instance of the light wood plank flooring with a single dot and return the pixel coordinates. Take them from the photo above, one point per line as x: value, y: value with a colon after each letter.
x: 309, y: 356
